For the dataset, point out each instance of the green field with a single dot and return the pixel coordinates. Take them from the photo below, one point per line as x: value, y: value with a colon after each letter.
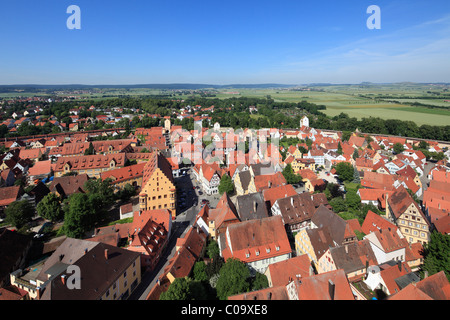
x: 363, y: 101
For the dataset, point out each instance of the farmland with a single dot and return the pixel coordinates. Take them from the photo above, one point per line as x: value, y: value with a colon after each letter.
x: 364, y: 101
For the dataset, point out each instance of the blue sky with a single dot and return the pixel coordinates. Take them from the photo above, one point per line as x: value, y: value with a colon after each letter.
x: 223, y: 42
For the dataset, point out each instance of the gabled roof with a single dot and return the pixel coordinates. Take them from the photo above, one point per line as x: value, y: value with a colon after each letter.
x: 354, y: 256
x: 269, y: 181
x: 99, y: 266
x: 255, y: 240
x: 374, y: 222
x: 272, y: 194
x: 281, y: 273
x: 339, y: 228
x: 297, y: 208
x: 9, y: 194
x: 316, y: 287
x: 225, y: 211
x: 400, y: 200
x: 125, y: 173
x: 248, y: 203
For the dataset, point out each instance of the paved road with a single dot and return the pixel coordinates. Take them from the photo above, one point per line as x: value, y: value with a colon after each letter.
x: 185, y: 218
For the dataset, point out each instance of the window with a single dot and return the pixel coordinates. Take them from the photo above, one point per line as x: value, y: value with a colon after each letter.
x: 125, y: 275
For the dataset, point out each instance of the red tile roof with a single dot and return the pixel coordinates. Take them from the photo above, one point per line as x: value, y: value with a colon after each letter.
x: 255, y: 240
x: 272, y: 194
x: 317, y: 287
x: 90, y: 162
x: 281, y: 273
x: 123, y: 174
x: 9, y: 194
x: 373, y: 222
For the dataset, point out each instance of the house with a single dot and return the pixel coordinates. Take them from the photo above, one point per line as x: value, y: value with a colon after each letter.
x: 209, y: 176
x: 40, y: 170
x: 317, y: 155
x: 273, y: 194
x: 390, y: 277
x: 120, y: 177
x: 251, y: 206
x: 67, y: 185
x: 353, y: 258
x: 375, y: 197
x: 374, y: 222
x: 243, y: 182
x: 158, y: 187
x: 406, y: 214
x: 222, y: 216
x: 435, y: 287
x: 188, y: 251
x: 296, y: 211
x: 327, y: 230
x: 357, y: 142
x: 149, y: 234
x: 8, y: 195
x: 13, y: 293
x: 92, y: 165
x: 375, y: 180
x: 256, y: 243
x: 268, y: 181
x: 271, y: 293
x: 387, y: 245
x: 126, y: 211
x: 395, y: 165
x: 283, y: 272
x: 108, y: 272
x: 332, y: 285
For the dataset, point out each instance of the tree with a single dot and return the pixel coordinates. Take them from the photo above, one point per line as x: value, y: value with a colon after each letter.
x: 90, y: 150
x: 185, y: 289
x: 19, y: 213
x: 233, y: 279
x: 339, y: 149
x: 213, y: 249
x: 226, y: 185
x: 178, y: 290
x: 398, y: 148
x: 50, y: 207
x: 352, y: 200
x: 345, y: 171
x: 79, y: 217
x: 200, y: 271
x: 437, y: 254
x: 290, y: 176
x: 259, y: 281
x: 338, y: 204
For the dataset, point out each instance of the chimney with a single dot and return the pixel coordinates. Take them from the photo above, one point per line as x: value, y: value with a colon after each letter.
x: 399, y: 264
x: 270, y: 183
x: 346, y: 249
x: 255, y: 205
x: 63, y: 279
x: 106, y: 253
x: 331, y: 289
x: 38, y: 293
x: 425, y: 275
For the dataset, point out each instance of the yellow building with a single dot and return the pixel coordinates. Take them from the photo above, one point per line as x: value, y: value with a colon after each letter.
x: 158, y: 189
x: 404, y: 212
x: 92, y: 165
x: 82, y: 270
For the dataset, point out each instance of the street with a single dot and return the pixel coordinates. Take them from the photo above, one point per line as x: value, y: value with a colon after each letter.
x: 185, y: 218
